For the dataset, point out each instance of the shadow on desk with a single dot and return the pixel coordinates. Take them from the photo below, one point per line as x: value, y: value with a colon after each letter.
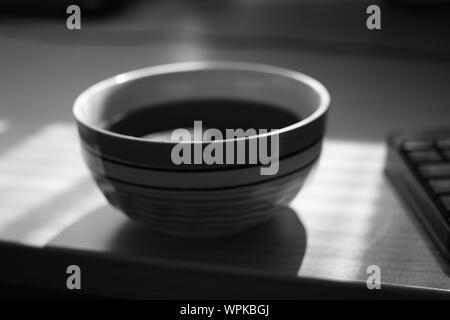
x: 277, y: 246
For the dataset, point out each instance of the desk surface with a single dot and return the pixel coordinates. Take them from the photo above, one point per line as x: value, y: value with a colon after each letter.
x: 347, y: 218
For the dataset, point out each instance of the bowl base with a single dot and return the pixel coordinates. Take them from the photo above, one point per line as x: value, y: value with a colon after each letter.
x: 205, y: 230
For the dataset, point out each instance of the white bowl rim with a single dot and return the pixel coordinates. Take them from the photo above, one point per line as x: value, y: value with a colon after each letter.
x: 129, y: 76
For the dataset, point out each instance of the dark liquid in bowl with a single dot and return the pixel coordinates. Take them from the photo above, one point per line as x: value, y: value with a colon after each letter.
x: 219, y: 113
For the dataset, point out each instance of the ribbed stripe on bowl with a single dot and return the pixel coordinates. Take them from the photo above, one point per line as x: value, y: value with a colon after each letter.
x: 198, y: 179
x: 203, y: 213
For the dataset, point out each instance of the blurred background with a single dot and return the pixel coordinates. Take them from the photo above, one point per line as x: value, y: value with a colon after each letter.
x: 387, y: 76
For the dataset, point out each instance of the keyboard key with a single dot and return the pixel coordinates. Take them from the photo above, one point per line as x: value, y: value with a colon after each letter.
x: 425, y: 179
x: 435, y: 170
x: 443, y: 144
x: 417, y: 145
x: 446, y: 202
x: 440, y: 186
x: 424, y: 156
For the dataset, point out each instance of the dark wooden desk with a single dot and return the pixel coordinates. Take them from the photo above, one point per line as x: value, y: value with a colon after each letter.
x: 347, y: 218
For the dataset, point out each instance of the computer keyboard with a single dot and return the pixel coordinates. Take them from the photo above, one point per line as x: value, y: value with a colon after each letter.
x: 418, y: 164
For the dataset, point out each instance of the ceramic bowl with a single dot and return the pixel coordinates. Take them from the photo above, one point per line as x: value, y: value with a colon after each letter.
x: 138, y: 175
